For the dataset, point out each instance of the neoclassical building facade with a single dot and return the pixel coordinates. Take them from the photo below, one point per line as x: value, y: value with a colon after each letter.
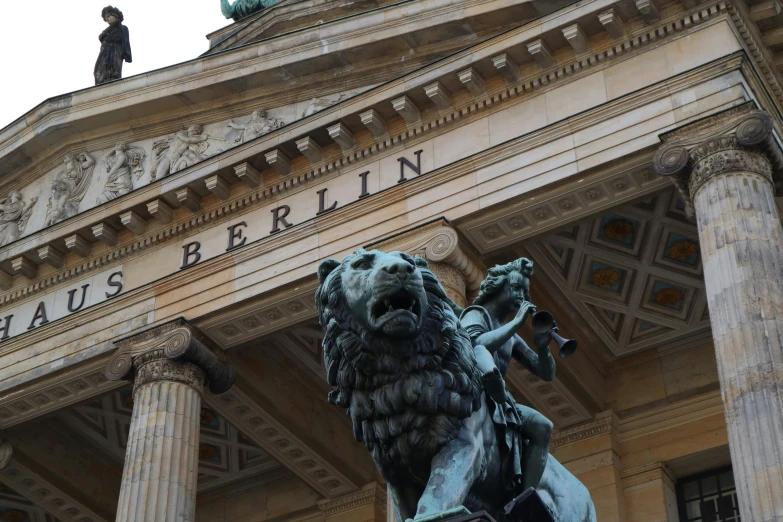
x: 160, y: 356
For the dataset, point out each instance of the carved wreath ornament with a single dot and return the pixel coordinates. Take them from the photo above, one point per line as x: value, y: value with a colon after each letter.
x: 683, y: 250
x: 668, y: 296
x: 618, y: 229
x: 606, y: 277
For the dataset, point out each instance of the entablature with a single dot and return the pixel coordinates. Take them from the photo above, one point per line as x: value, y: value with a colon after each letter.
x: 370, y: 41
x: 341, y: 137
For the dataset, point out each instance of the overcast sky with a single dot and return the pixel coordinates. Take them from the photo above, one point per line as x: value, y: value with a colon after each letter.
x: 49, y: 47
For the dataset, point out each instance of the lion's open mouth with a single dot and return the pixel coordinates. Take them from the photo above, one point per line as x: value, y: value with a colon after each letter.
x: 399, y: 304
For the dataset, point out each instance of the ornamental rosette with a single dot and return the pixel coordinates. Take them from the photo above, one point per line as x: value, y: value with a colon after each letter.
x: 606, y: 277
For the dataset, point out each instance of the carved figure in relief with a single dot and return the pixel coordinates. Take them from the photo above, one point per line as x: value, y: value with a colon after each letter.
x: 69, y: 187
x: 14, y: 215
x: 406, y: 372
x: 319, y: 104
x: 187, y: 147
x: 115, y: 47
x: 243, y: 8
x: 258, y: 125
x: 121, y: 164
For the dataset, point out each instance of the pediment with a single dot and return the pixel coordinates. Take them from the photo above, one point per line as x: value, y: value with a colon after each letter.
x: 288, y: 17
x: 284, y: 17
x: 91, y: 176
x: 368, y: 47
x: 64, y: 157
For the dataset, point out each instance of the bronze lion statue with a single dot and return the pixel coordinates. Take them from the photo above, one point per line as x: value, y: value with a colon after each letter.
x: 405, y: 372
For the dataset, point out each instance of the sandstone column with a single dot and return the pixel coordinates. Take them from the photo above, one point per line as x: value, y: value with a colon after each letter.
x: 169, y: 367
x: 726, y: 168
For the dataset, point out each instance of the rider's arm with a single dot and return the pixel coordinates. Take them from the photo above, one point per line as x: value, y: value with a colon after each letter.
x: 494, y: 339
x: 540, y: 364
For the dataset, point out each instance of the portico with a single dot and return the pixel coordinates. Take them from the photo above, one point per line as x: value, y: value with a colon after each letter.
x: 189, y: 383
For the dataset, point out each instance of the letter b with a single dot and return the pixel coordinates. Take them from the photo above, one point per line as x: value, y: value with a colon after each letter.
x: 191, y: 255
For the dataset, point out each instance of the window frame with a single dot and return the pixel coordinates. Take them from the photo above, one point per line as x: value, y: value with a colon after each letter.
x: 680, y: 488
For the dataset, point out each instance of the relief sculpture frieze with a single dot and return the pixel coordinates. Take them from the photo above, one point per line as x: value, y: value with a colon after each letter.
x: 14, y: 214
x: 122, y: 165
x: 186, y: 148
x: 76, y: 185
x: 258, y: 125
x: 69, y: 187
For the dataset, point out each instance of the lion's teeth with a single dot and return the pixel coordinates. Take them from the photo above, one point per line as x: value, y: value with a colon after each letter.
x: 391, y: 308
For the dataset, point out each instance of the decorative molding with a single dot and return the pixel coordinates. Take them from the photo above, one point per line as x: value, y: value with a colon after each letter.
x: 653, y: 471
x: 634, y: 272
x: 371, y: 494
x: 738, y: 139
x: 57, y: 391
x: 644, y: 424
x: 562, y: 204
x: 437, y: 242
x: 481, y: 102
x: 149, y: 356
x: 226, y: 455
x: 552, y: 399
x: 259, y: 318
x: 604, y: 423
x: 666, y: 417
x: 269, y: 434
x: 45, y: 495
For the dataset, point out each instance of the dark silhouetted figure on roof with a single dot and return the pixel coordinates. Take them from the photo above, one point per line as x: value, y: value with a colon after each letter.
x: 115, y: 47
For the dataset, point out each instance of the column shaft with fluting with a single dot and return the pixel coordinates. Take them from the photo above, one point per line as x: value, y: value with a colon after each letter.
x: 729, y: 181
x: 742, y: 247
x: 161, y: 461
x: 169, y: 366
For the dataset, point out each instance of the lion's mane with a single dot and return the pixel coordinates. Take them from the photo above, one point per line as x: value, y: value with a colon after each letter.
x: 406, y: 398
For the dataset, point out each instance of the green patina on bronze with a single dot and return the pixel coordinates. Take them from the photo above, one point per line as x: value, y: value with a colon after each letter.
x: 243, y: 8
x: 405, y: 369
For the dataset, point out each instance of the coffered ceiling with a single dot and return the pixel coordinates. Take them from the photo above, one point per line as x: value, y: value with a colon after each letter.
x: 634, y: 272
x: 16, y: 508
x: 225, y: 453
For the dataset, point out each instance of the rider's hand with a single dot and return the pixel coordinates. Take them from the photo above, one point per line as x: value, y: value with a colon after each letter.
x: 525, y: 308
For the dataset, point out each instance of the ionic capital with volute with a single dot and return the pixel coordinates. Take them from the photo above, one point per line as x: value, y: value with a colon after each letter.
x: 174, y: 352
x: 737, y: 140
x: 458, y: 271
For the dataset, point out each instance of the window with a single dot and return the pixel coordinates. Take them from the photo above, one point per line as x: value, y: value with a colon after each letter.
x: 710, y: 497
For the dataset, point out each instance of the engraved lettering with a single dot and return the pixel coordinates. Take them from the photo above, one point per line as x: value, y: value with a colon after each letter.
x: 191, y: 255
x: 40, y: 315
x: 234, y: 235
x: 415, y: 168
x: 114, y: 284
x: 72, y: 293
x: 322, y: 203
x: 6, y: 327
x: 365, y: 192
x: 278, y: 216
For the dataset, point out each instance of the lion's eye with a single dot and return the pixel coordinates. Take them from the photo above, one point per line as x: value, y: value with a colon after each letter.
x: 362, y: 265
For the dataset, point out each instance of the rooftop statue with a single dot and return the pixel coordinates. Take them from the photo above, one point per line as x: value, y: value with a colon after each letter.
x: 243, y: 8
x: 115, y: 47
x: 405, y: 369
